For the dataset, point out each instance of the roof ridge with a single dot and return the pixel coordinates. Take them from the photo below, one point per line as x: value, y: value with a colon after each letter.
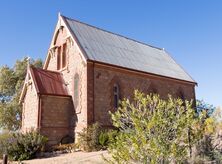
x: 174, y: 70
x: 111, y: 32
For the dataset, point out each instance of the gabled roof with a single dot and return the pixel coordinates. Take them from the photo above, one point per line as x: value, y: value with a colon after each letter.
x: 48, y: 82
x: 45, y: 82
x: 106, y: 47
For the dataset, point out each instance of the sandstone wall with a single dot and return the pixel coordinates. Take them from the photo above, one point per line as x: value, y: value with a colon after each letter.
x: 105, y: 77
x: 30, y: 109
x: 76, y: 64
x: 56, y: 118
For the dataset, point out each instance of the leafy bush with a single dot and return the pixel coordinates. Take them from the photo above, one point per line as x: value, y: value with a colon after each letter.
x: 4, y: 138
x: 206, y: 150
x: 94, y: 138
x: 25, y: 146
x: 112, y: 134
x: 153, y: 130
x: 88, y: 138
x: 103, y: 139
x: 107, y: 137
x: 218, y: 156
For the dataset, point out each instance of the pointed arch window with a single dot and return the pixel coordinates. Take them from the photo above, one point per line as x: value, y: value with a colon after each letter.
x: 153, y: 89
x: 116, y: 95
x: 181, y: 95
x: 76, y: 90
x: 58, y: 58
x: 61, y: 57
x: 64, y: 56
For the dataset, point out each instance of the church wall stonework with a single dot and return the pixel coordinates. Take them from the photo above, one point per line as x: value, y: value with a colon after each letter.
x: 105, y: 77
x: 75, y: 65
x: 97, y: 80
x: 56, y: 118
x: 30, y: 109
x: 58, y: 115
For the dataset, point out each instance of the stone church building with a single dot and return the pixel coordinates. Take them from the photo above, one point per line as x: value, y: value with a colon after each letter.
x: 86, y: 72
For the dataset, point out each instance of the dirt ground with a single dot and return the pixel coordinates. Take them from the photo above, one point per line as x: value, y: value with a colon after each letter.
x: 73, y: 158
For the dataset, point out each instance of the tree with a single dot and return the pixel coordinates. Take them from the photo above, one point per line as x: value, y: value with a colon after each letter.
x: 201, y: 106
x: 153, y: 130
x: 209, y: 147
x: 11, y: 82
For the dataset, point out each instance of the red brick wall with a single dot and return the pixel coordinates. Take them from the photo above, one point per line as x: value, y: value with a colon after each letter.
x: 105, y: 77
x: 56, y: 118
x: 90, y: 93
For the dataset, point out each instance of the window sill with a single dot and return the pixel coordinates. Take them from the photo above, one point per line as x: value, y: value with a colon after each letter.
x: 63, y: 69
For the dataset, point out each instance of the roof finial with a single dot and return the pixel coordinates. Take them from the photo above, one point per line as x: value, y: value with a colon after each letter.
x: 59, y: 14
x: 28, y: 61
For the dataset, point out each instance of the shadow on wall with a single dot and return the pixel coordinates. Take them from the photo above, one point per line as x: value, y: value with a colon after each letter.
x: 58, y: 119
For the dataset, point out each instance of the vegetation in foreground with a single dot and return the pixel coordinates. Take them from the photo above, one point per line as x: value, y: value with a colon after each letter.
x: 94, y: 138
x: 20, y: 146
x: 153, y: 130
x: 150, y: 130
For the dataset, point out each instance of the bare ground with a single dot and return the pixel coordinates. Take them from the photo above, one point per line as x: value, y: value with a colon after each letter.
x: 73, y: 158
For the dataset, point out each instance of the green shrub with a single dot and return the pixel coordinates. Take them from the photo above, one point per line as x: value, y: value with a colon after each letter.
x: 88, y: 138
x: 106, y: 137
x: 112, y: 134
x: 103, y: 139
x: 218, y: 156
x: 155, y: 130
x: 4, y: 138
x: 205, y: 148
x: 94, y: 138
x: 25, y: 146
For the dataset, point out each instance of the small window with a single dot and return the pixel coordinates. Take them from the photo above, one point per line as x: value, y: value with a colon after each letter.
x: 76, y: 90
x: 64, y: 56
x: 153, y: 89
x: 59, y: 58
x: 181, y: 95
x: 116, y: 95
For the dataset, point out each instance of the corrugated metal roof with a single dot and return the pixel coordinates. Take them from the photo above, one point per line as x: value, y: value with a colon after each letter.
x: 103, y: 46
x: 48, y: 82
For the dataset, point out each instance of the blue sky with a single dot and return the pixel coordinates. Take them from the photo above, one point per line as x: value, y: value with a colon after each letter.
x: 191, y: 31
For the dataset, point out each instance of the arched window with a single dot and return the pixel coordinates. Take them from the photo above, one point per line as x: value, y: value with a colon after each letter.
x: 181, y: 95
x: 153, y: 89
x: 61, y: 57
x: 64, y: 56
x: 76, y: 91
x: 116, y: 95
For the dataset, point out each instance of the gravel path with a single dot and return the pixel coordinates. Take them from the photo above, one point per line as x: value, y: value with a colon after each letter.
x: 72, y: 158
